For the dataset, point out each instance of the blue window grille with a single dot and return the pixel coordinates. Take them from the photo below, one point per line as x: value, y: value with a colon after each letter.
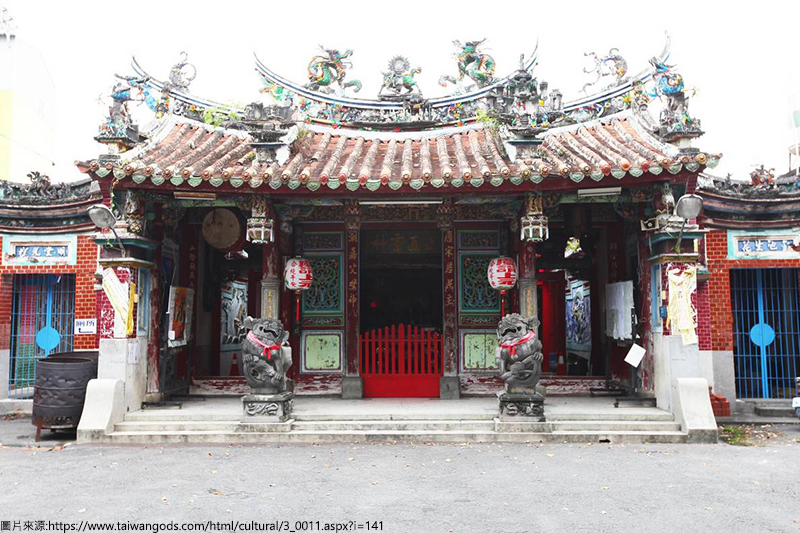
x: 765, y: 304
x: 42, y: 322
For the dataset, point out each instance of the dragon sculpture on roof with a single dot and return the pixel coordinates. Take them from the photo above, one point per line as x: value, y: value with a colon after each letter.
x: 472, y: 63
x: 325, y: 70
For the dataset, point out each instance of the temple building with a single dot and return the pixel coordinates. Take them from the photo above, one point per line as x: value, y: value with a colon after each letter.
x: 399, y: 204
x: 48, y: 302
x: 752, y: 258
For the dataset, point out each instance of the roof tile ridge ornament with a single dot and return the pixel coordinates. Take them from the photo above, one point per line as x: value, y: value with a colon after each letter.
x: 444, y: 158
x: 477, y: 154
x: 369, y: 160
x: 349, y: 164
x: 387, y: 166
x: 333, y: 160
x: 461, y: 158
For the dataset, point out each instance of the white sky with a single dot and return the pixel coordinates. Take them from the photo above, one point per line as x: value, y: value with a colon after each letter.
x: 741, y: 56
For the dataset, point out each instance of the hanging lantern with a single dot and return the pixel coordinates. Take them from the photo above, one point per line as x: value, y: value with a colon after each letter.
x: 260, y: 230
x: 533, y: 228
x: 297, y: 277
x: 502, y: 275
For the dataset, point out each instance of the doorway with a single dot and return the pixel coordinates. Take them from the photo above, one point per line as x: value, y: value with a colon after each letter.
x: 765, y: 304
x: 401, y: 312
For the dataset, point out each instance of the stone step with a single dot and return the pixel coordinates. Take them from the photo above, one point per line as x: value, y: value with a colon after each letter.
x: 170, y: 415
x: 630, y: 415
x: 782, y: 410
x: 615, y: 425
x: 389, y: 425
x: 393, y: 425
x: 367, y: 416
x: 199, y: 437
x: 189, y: 426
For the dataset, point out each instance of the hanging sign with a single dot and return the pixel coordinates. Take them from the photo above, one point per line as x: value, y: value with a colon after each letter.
x: 85, y: 326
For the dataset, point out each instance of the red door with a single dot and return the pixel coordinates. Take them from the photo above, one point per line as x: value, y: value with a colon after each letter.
x: 401, y: 361
x: 554, y: 340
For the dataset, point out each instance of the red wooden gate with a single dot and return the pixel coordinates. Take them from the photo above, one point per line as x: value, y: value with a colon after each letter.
x: 401, y: 361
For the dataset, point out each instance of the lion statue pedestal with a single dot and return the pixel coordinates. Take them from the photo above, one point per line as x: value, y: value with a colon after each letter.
x: 519, y: 357
x: 266, y: 358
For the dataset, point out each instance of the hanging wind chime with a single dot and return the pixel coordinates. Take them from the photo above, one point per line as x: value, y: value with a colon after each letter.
x: 297, y: 276
x: 502, y: 276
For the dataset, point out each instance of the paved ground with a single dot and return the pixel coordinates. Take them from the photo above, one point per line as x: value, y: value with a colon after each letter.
x: 415, y: 488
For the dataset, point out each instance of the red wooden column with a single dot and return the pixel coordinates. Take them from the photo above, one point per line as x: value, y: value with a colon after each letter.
x: 449, y: 383
x: 352, y: 383
x: 154, y: 346
x: 187, y: 277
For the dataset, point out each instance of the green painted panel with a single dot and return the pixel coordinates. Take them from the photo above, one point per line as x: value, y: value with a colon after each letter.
x: 323, y: 351
x: 479, y: 351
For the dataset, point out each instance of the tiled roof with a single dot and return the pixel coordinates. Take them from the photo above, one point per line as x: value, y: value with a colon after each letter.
x: 192, y: 154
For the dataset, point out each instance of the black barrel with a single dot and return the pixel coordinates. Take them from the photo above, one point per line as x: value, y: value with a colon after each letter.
x: 60, y: 390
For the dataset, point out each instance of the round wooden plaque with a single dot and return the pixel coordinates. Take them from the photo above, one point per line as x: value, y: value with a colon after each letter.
x: 223, y: 229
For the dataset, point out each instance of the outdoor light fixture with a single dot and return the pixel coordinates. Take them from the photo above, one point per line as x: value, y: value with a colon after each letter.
x: 104, y: 218
x: 600, y: 191
x: 400, y: 202
x: 688, y: 206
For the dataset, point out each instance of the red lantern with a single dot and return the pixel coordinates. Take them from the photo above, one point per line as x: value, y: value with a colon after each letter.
x: 297, y: 277
x: 502, y: 276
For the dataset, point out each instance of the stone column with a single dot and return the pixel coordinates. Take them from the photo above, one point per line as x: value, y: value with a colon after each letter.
x: 528, y: 304
x: 261, y: 209
x: 449, y: 383
x: 352, y: 383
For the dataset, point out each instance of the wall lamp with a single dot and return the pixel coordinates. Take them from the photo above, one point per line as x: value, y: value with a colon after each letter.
x: 104, y: 218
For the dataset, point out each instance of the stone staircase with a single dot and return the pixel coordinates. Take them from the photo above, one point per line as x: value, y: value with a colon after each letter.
x: 631, y: 425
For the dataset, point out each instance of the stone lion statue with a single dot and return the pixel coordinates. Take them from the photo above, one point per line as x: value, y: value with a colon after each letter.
x: 519, y: 354
x: 266, y: 355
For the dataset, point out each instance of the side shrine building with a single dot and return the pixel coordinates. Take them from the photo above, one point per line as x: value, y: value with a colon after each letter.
x: 399, y: 204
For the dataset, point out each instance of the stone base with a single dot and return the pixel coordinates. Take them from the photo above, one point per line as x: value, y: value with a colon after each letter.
x: 521, y: 407
x: 352, y: 387
x: 263, y: 408
x: 449, y: 388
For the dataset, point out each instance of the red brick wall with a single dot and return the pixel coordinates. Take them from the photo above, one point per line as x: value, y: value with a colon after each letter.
x: 703, y: 315
x: 85, y: 298
x: 719, y: 285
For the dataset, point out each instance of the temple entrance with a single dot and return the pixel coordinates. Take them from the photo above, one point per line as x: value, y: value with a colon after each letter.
x: 401, y: 312
x: 228, y: 286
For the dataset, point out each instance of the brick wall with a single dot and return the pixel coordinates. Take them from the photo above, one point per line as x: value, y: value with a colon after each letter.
x: 719, y: 285
x: 85, y: 297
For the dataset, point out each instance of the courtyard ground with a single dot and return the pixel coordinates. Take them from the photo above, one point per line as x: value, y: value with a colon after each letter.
x: 751, y: 485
